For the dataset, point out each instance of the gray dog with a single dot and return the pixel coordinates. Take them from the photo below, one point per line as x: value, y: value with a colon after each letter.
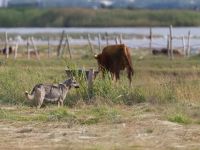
x: 51, y: 92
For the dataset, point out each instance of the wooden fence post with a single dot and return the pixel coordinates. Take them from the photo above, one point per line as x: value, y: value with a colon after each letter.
x: 68, y: 46
x: 183, y: 42
x: 35, y: 48
x: 28, y: 50
x: 168, y: 44
x: 16, y: 50
x: 107, y: 40
x: 150, y: 40
x: 60, y: 44
x: 171, y: 43
x: 90, y: 82
x: 49, y: 50
x: 6, y: 45
x: 99, y: 42
x: 116, y: 40
x: 188, y: 45
x: 90, y: 44
x: 120, y: 38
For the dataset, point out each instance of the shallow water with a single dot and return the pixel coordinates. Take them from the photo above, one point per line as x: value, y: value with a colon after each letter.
x: 159, y: 41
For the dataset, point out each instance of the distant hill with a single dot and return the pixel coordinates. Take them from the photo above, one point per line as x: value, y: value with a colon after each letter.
x: 131, y: 4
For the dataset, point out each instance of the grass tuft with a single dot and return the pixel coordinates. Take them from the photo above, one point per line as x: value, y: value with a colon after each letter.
x: 180, y: 118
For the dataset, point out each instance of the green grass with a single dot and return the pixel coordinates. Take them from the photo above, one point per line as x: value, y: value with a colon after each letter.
x: 101, y: 114
x: 92, y: 115
x: 179, y: 118
x: 157, y: 81
x: 151, y: 82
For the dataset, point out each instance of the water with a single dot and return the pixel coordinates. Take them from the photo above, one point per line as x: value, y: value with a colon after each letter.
x: 163, y: 31
x: 134, y: 42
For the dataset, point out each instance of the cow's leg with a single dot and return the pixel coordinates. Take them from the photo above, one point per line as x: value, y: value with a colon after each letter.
x: 129, y: 75
x: 103, y: 74
x: 112, y: 76
x: 116, y: 71
x: 117, y: 75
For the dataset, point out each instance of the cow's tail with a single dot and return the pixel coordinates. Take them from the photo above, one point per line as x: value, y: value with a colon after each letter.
x: 128, y: 59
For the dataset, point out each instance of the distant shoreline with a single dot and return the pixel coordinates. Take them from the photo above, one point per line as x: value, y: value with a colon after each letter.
x: 80, y: 17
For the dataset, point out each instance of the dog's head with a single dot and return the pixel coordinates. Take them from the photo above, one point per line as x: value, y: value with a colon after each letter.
x: 71, y: 83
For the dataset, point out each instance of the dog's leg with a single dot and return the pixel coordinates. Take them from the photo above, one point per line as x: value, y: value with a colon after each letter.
x: 40, y: 102
x: 38, y: 106
x: 61, y: 102
x: 40, y: 94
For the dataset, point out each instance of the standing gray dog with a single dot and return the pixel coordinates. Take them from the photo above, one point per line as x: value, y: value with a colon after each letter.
x: 51, y: 92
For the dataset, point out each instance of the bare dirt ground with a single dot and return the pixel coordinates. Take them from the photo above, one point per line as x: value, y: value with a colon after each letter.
x: 146, y: 131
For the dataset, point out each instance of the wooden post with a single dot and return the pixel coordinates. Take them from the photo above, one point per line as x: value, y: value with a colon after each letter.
x: 120, y: 38
x: 168, y: 44
x: 16, y: 50
x: 90, y: 44
x: 49, y: 50
x: 68, y: 47
x: 63, y: 48
x: 107, y: 40
x: 171, y: 44
x: 60, y: 44
x: 183, y: 42
x: 116, y: 40
x: 6, y: 45
x: 35, y: 48
x: 99, y: 42
x: 28, y: 50
x: 188, y: 45
x: 150, y: 40
x: 90, y: 82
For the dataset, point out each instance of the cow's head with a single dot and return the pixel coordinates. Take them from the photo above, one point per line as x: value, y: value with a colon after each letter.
x: 98, y: 58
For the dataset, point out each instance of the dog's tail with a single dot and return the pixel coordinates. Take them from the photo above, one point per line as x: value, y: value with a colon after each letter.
x: 35, y: 91
x: 29, y: 96
x: 32, y: 95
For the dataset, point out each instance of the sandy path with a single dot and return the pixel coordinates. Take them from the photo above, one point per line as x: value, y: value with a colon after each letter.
x: 147, y: 132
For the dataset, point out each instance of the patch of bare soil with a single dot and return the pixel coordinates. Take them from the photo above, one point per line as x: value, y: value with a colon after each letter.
x: 147, y: 131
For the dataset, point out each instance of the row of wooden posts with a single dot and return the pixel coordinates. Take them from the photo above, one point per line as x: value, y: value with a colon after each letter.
x: 30, y: 41
x: 62, y: 46
x: 65, y: 42
x: 170, y: 48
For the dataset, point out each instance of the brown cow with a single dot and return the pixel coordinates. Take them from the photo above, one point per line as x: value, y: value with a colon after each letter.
x: 115, y: 58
